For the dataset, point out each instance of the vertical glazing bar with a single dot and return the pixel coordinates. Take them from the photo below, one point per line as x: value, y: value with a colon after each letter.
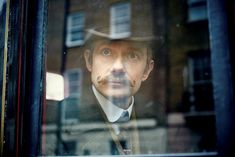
x: 222, y: 76
x: 37, y: 79
x: 32, y: 126
x: 4, y: 75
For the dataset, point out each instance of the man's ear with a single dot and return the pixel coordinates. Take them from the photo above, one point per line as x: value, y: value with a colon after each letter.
x: 88, y: 59
x: 148, y: 69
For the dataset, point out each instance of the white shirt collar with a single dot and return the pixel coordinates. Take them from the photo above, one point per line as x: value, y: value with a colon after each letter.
x: 112, y: 111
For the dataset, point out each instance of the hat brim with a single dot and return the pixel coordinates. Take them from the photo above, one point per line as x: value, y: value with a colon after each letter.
x: 93, y: 33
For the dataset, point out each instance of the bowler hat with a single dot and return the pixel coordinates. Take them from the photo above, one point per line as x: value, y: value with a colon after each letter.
x: 103, y: 34
x: 97, y: 34
x: 141, y: 25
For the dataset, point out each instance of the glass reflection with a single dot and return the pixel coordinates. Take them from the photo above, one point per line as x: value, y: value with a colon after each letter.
x: 134, y: 82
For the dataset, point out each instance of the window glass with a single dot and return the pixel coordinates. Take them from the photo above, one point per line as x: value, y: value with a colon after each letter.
x: 132, y: 76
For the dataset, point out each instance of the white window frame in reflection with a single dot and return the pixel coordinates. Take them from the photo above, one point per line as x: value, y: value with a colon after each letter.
x: 120, y: 20
x: 75, y: 29
x: 54, y: 86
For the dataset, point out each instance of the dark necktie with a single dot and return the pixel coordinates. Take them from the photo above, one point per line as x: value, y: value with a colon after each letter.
x: 124, y: 117
x: 123, y: 136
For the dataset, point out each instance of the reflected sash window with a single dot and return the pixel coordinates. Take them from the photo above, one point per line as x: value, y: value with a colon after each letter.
x: 73, y: 82
x: 120, y: 20
x: 75, y: 29
x: 72, y: 93
x: 200, y: 81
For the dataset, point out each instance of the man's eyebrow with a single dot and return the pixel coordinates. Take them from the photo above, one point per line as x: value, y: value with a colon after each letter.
x: 103, y: 45
x: 137, y: 50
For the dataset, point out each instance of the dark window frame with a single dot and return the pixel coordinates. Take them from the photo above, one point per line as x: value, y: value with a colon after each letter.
x: 30, y: 46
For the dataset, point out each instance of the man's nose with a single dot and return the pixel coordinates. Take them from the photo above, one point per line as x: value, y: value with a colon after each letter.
x: 118, y: 67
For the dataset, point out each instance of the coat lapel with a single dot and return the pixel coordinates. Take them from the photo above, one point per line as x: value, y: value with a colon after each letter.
x: 126, y: 142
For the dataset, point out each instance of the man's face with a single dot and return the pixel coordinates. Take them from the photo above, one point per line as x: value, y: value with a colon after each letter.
x: 118, y: 68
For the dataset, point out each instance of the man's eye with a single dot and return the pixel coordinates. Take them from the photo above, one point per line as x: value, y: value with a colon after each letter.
x: 106, y: 52
x: 133, y: 56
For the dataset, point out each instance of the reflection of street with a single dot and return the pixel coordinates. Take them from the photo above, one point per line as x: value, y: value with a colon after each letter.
x: 191, y: 132
x: 92, y: 138
x: 184, y: 132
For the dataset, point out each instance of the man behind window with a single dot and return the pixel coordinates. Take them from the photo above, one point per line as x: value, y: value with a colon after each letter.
x: 117, y: 67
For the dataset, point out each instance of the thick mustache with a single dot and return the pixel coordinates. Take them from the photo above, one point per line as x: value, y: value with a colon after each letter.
x: 107, y: 79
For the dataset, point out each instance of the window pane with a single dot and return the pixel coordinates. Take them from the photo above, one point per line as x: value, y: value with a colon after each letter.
x: 137, y: 79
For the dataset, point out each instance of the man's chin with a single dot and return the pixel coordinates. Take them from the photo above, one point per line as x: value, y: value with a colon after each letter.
x: 115, y: 92
x: 120, y: 99
x: 117, y: 96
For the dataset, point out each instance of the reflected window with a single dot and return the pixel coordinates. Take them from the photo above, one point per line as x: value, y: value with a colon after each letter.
x: 73, y: 81
x: 75, y: 29
x: 70, y: 110
x: 120, y: 20
x: 73, y: 92
x: 197, y: 10
x: 200, y: 81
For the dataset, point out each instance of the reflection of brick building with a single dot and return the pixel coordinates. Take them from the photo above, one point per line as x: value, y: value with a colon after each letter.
x: 95, y: 15
x: 181, y: 70
x: 54, y: 40
x: 75, y: 35
x: 84, y: 15
x: 189, y: 53
x: 190, y: 81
